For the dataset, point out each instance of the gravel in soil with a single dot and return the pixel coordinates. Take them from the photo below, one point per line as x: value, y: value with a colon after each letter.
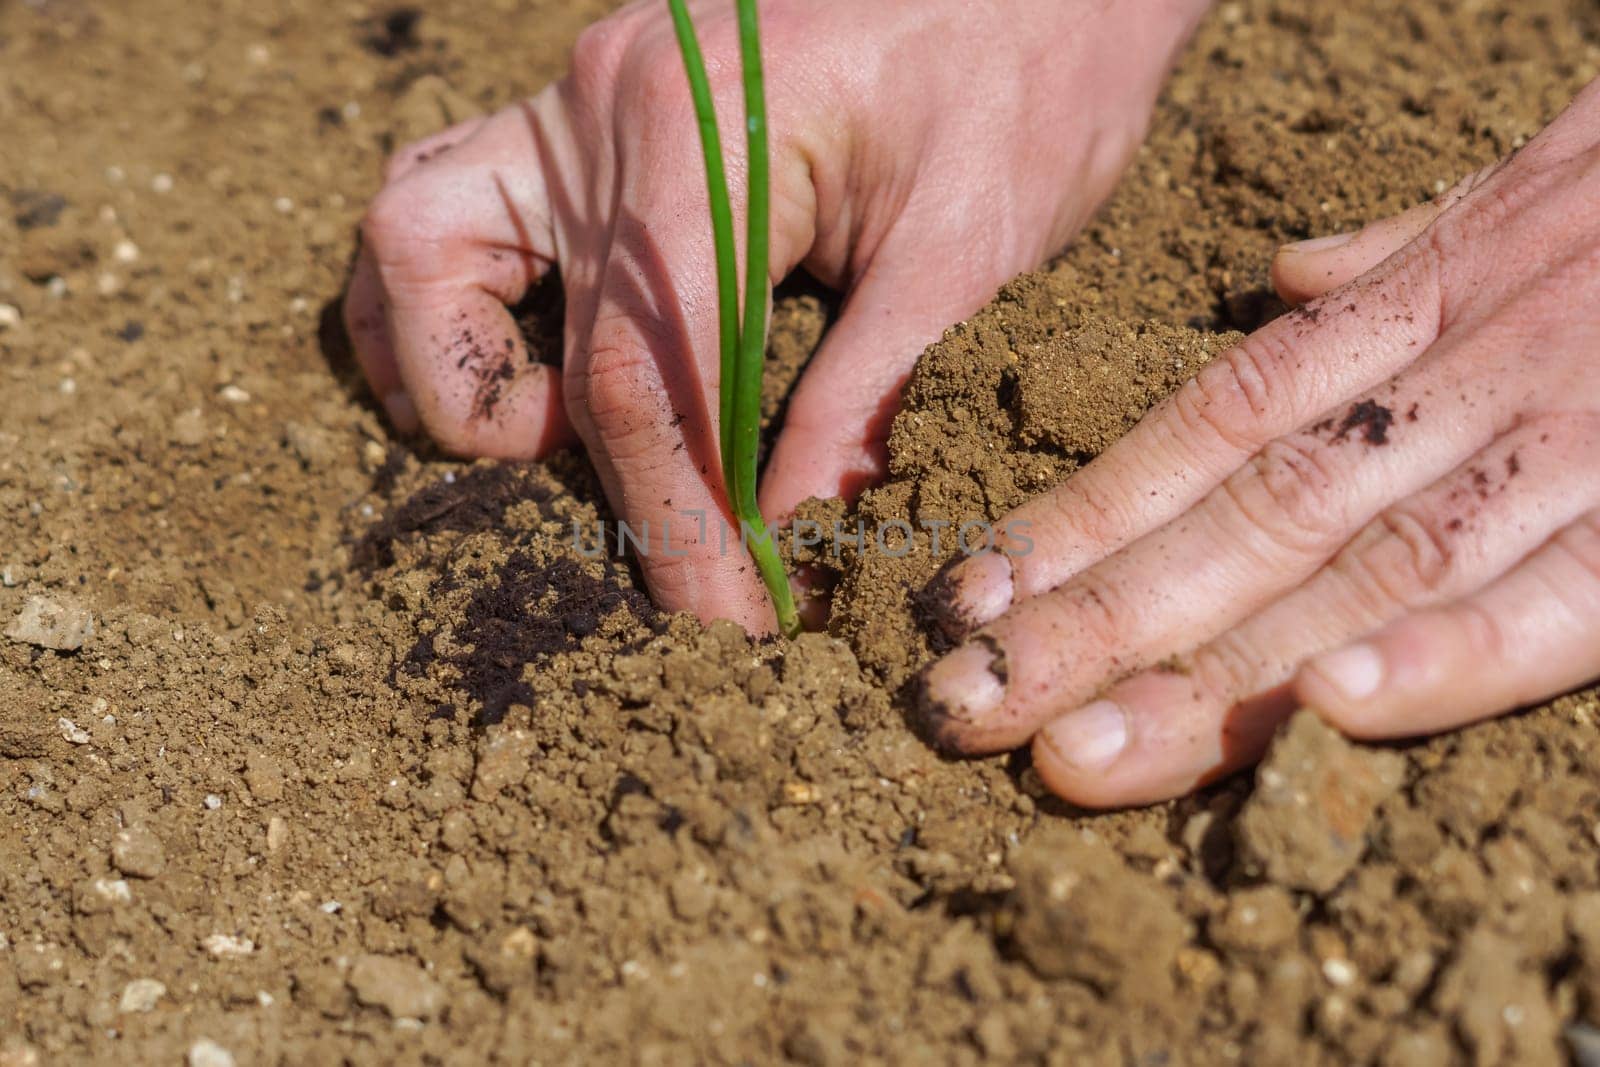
x: 315, y: 747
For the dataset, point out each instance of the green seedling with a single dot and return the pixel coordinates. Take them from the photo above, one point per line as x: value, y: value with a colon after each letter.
x: 743, y: 347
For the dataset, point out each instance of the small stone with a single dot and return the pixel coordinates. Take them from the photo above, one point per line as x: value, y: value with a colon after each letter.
x: 138, y: 852
x: 263, y: 777
x: 60, y: 625
x: 140, y: 995
x: 111, y: 891
x: 1338, y: 972
x: 277, y: 833
x: 189, y: 429
x: 398, y: 986
x: 691, y: 898
x: 503, y: 759
x: 125, y: 252
x: 9, y: 316
x: 161, y: 183
x: 74, y: 733
x: 207, y: 1053
x: 1305, y: 826
x: 233, y: 394
x: 1259, y: 922
x: 228, y: 946
x: 212, y: 802
x: 1077, y: 905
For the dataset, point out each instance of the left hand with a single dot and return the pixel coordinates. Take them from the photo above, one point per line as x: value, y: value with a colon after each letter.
x: 1384, y: 506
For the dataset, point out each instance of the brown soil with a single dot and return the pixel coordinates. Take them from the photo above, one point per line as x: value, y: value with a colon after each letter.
x: 357, y: 760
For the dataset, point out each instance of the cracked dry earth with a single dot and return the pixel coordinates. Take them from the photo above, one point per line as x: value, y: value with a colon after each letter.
x: 318, y: 748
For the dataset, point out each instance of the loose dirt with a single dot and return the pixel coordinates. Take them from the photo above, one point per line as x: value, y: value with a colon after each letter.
x: 317, y: 748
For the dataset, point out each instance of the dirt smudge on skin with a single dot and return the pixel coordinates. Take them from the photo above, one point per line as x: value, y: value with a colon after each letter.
x: 1370, y: 420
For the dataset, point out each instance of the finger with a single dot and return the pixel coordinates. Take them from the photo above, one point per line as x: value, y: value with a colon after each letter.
x: 1309, y: 269
x: 455, y: 240
x: 643, y: 386
x: 1280, y: 378
x: 834, y: 441
x: 1270, y: 526
x: 413, y: 155
x: 367, y: 324
x: 1162, y: 732
x: 1530, y: 636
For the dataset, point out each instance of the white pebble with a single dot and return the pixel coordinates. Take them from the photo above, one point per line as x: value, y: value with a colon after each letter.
x: 1338, y: 972
x: 9, y: 316
x: 125, y: 252
x: 283, y: 205
x: 207, y: 1053
x: 351, y: 111
x: 161, y: 183
x: 112, y: 890
x: 74, y: 733
x: 228, y: 947
x: 233, y: 394
x: 331, y: 907
x: 212, y: 802
x: 68, y: 386
x: 259, y: 54
x: 140, y: 995
x: 56, y: 287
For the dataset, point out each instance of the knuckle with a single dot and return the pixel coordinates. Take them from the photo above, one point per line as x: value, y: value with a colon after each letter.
x: 1228, y: 668
x: 1097, y: 513
x: 1097, y: 610
x: 598, y: 53
x: 1581, y: 541
x: 399, y: 219
x: 613, y: 390
x: 1234, y: 396
x: 1288, y: 494
x: 1486, y: 634
x: 1412, y: 560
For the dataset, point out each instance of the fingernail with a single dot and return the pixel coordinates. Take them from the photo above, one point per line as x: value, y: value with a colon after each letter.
x: 402, y: 412
x: 965, y: 687
x: 971, y: 594
x: 984, y: 588
x: 1321, y: 244
x: 1356, y: 672
x: 1091, y: 738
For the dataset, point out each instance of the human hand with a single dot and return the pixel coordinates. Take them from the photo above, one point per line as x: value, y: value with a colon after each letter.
x: 923, y: 153
x: 1384, y: 506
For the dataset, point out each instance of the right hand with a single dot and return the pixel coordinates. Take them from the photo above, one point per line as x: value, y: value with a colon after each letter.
x: 924, y: 152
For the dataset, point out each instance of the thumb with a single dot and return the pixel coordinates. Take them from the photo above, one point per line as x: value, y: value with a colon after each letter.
x: 1308, y: 269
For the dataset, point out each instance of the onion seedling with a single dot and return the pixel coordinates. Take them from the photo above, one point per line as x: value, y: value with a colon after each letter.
x: 742, y: 347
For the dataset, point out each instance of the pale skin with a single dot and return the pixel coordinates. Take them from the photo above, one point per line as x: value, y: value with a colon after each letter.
x: 1385, y: 506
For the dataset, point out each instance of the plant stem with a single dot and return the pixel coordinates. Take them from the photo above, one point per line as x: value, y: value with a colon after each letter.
x: 721, y: 218
x: 743, y: 350
x: 753, y: 339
